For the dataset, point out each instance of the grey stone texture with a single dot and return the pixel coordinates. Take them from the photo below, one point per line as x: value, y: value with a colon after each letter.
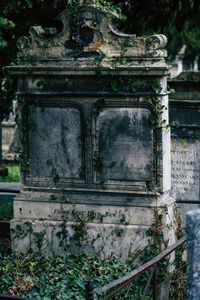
x: 126, y: 129
x: 108, y: 229
x: 193, y: 254
x: 93, y: 159
x: 55, y: 144
x: 10, y: 187
x: 184, y: 116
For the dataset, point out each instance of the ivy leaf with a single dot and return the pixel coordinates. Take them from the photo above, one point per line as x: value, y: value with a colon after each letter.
x: 124, y: 60
x: 156, y: 87
x: 172, y: 91
x: 133, y: 89
x: 152, y: 119
x: 114, y: 87
x: 31, y: 108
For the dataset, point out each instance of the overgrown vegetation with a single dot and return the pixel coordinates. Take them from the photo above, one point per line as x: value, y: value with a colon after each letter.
x: 57, y: 277
x: 65, y: 278
x: 178, y: 289
x: 13, y: 174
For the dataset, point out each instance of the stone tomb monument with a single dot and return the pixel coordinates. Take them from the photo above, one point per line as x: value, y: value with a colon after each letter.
x: 95, y: 149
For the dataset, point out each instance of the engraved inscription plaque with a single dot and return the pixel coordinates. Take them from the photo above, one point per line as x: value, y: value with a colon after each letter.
x: 125, y: 144
x: 54, y: 139
x: 185, y: 168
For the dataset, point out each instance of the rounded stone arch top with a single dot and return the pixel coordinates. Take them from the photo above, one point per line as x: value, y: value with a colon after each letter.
x: 88, y: 32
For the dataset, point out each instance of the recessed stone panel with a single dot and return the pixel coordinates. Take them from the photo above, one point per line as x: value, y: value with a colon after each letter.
x: 185, y: 165
x: 125, y: 144
x: 54, y: 142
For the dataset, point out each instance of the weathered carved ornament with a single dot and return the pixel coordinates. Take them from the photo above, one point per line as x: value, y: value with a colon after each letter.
x: 88, y: 32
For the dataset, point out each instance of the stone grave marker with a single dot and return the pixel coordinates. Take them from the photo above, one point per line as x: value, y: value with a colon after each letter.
x: 193, y: 250
x: 95, y: 149
x: 185, y: 140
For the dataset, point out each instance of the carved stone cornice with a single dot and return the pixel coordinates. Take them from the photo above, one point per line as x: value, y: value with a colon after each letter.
x: 88, y: 33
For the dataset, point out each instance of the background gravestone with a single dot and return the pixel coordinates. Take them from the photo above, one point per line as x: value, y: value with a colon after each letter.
x: 185, y: 140
x: 95, y: 152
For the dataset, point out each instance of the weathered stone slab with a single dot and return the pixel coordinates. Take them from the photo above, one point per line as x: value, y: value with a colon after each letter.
x: 193, y: 254
x: 88, y: 84
x: 10, y: 187
x: 95, y: 213
x: 94, y: 238
x: 185, y: 121
x: 102, y: 240
x: 185, y: 168
x: 184, y: 208
x: 185, y: 142
x: 125, y: 143
x: 8, y: 129
x: 94, y: 196
x: 55, y: 142
x: 186, y: 87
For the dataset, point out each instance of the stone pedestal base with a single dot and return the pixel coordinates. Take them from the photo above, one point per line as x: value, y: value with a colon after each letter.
x: 99, y: 230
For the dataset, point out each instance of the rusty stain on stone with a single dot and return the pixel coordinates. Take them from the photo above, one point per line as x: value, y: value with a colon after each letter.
x: 96, y: 43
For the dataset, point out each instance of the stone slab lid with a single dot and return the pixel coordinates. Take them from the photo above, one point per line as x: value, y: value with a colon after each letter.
x: 10, y: 187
